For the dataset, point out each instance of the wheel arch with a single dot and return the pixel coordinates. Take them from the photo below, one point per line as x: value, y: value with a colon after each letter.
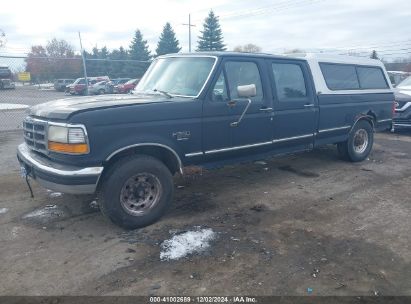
x: 369, y: 116
x: 160, y: 151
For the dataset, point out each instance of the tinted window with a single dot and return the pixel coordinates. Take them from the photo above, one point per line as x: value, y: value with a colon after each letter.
x: 243, y: 73
x: 371, y: 78
x: 289, y: 81
x: 340, y: 76
x: 220, y: 89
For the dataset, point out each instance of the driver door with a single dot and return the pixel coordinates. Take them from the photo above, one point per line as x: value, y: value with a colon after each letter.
x: 223, y: 107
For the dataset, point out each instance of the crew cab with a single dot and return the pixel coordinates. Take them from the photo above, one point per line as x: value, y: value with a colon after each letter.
x: 204, y: 109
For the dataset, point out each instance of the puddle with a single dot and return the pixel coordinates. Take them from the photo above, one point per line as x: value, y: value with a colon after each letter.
x: 298, y: 172
x: 186, y: 243
x: 3, y: 210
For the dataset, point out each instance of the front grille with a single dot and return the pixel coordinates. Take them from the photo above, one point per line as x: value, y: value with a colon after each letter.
x: 35, y: 134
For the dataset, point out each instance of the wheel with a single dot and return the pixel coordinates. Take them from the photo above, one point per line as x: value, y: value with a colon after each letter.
x: 359, y: 143
x: 1, y: 86
x: 136, y: 191
x: 101, y: 92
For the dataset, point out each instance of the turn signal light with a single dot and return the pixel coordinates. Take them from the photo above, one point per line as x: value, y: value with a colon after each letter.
x: 68, y: 148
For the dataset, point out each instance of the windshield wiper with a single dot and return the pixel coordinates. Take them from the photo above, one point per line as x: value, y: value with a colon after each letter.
x: 163, y: 92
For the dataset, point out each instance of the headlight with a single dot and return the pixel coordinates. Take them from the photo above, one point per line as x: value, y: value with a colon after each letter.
x: 68, y: 139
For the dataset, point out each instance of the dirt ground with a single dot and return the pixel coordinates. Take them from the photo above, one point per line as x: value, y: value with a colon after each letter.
x: 295, y: 224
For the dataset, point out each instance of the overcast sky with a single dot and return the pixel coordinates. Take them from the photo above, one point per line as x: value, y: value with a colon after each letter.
x: 275, y: 26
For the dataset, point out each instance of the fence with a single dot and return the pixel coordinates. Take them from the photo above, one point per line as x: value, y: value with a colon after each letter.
x: 44, y: 71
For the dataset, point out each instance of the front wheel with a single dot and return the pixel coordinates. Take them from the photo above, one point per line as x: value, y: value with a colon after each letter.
x: 136, y: 191
x: 359, y: 143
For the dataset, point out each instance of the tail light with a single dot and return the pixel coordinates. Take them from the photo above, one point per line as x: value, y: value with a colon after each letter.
x: 394, y: 105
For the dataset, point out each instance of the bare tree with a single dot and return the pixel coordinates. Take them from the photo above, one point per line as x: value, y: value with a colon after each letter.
x: 2, y: 38
x: 247, y: 48
x: 294, y: 51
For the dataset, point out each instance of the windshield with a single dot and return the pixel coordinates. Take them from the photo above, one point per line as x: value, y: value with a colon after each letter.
x: 406, y: 82
x: 181, y: 76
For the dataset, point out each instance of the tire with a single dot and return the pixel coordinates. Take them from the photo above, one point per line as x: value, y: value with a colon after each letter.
x: 1, y: 86
x: 359, y: 143
x: 101, y: 92
x: 136, y: 191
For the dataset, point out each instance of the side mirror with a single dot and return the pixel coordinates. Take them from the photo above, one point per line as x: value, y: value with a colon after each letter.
x: 247, y: 91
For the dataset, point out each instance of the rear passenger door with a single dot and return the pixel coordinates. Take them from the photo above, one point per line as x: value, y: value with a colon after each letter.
x: 295, y: 105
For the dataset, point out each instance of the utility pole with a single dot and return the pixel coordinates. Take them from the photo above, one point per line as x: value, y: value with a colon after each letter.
x: 84, y: 63
x: 189, y: 32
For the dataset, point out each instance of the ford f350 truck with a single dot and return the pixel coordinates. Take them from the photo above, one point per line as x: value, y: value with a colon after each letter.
x: 205, y: 109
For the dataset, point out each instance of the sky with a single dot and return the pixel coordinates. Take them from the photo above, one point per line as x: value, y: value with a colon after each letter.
x: 357, y: 26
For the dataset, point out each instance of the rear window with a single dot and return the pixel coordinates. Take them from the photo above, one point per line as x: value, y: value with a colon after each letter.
x: 340, y: 76
x: 351, y: 77
x: 371, y: 78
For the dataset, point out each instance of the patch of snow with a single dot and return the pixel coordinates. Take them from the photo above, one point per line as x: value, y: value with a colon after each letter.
x: 55, y: 194
x: 12, y: 106
x: 3, y: 210
x: 47, y: 211
x: 94, y: 205
x: 186, y: 243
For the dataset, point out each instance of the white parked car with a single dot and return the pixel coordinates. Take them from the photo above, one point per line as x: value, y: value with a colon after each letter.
x: 98, y: 88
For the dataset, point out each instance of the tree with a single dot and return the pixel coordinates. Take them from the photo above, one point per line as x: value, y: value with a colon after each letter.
x: 168, y: 42
x: 247, y: 48
x: 55, y: 60
x: 138, y: 51
x: 211, y: 38
x: 2, y: 38
x: 374, y: 55
x: 139, y: 48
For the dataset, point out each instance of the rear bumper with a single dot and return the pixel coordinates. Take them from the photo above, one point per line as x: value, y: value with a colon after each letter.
x: 57, y: 177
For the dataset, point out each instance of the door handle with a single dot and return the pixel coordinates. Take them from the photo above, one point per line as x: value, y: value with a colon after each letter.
x: 310, y: 105
x: 266, y: 109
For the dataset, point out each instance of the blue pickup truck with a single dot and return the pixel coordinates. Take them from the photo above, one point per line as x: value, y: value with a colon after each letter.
x: 204, y: 109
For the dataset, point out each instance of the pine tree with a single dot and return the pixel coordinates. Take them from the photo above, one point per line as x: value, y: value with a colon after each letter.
x: 138, y: 51
x: 211, y: 38
x: 139, y: 48
x: 168, y: 42
x: 374, y: 55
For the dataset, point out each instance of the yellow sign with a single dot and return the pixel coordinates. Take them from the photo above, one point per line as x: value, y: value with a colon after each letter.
x: 24, y: 76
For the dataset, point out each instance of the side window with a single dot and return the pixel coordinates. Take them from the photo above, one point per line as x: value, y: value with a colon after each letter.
x: 371, y: 78
x: 243, y: 73
x: 289, y: 81
x: 220, y: 89
x: 340, y: 76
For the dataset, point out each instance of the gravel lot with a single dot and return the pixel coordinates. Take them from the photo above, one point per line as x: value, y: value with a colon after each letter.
x: 282, y: 227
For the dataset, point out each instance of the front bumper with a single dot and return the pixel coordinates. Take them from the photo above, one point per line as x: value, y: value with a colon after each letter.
x: 57, y: 177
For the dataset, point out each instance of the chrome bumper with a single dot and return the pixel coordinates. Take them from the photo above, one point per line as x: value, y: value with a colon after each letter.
x: 57, y: 177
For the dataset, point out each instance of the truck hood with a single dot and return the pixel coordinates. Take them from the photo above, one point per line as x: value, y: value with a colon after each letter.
x: 63, y: 108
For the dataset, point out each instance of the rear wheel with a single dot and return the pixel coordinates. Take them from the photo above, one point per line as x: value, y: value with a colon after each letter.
x: 136, y: 191
x: 359, y: 143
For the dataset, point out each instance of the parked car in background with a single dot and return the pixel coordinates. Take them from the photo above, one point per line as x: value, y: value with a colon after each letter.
x: 402, y: 115
x: 397, y: 76
x: 78, y: 87
x: 110, y: 85
x: 98, y: 88
x: 126, y: 87
x: 6, y: 78
x: 61, y: 84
